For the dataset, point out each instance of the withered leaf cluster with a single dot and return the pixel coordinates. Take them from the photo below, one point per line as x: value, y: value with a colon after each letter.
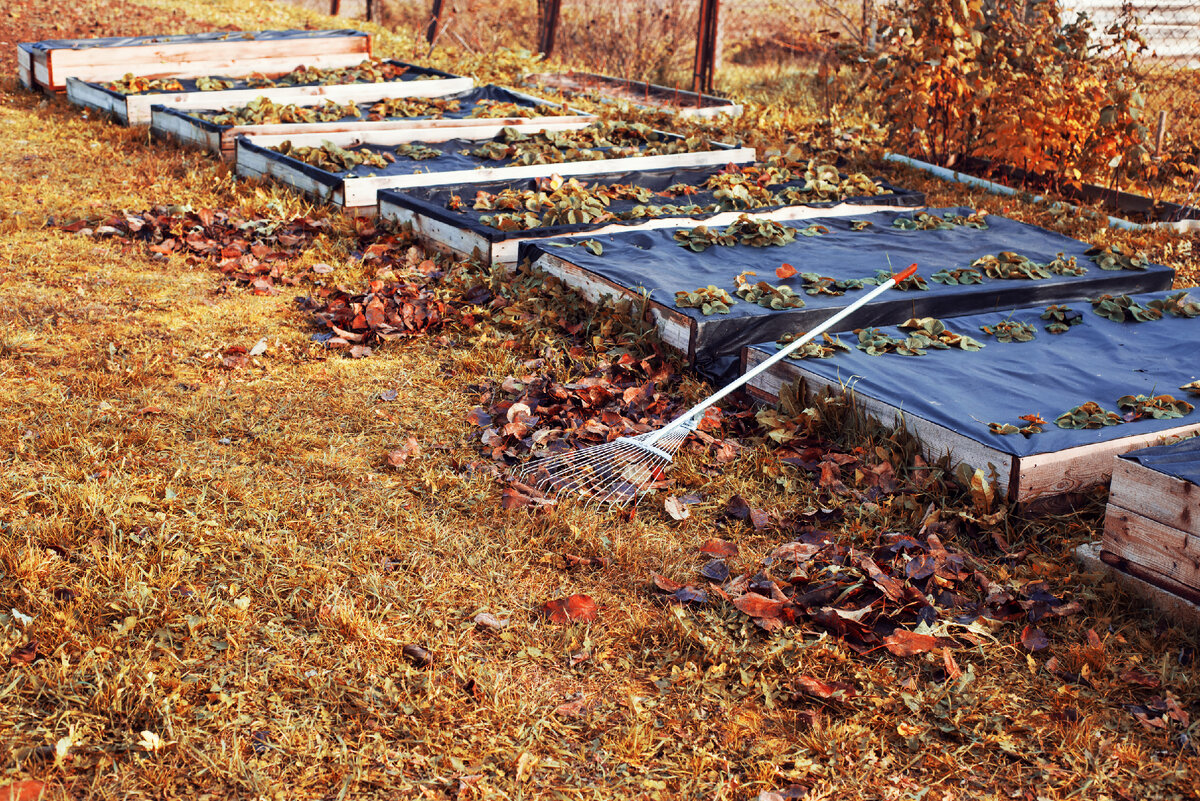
x: 387, y: 310
x: 906, y: 593
x: 255, y: 252
x: 539, y: 413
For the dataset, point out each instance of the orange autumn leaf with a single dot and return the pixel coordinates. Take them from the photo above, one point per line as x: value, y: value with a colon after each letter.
x: 785, y: 271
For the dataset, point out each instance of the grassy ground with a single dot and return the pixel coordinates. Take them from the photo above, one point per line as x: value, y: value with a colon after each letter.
x: 220, y: 572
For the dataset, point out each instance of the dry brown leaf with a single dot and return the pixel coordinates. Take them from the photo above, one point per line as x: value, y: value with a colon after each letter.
x: 27, y: 790
x: 719, y: 548
x: 756, y: 605
x: 952, y: 670
x: 1034, y: 639
x: 676, y: 508
x: 903, y: 642
x: 572, y: 609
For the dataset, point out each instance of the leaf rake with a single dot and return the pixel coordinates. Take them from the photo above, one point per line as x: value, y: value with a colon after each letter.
x: 615, y: 473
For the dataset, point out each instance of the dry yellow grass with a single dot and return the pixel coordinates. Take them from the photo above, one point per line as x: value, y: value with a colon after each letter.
x: 221, y: 573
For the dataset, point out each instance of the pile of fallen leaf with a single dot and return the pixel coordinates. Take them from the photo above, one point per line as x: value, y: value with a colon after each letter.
x: 252, y: 252
x: 538, y: 413
x: 906, y: 593
x: 386, y: 310
x: 549, y: 409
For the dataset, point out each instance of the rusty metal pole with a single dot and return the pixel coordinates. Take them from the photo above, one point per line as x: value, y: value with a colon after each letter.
x: 435, y: 23
x: 706, y: 47
x: 548, y: 26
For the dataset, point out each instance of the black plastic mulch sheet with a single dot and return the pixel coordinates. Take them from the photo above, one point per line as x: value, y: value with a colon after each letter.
x: 453, y: 155
x: 413, y: 73
x: 468, y: 102
x: 206, y: 36
x: 432, y: 202
x: 655, y: 262
x: 1097, y: 360
x: 1181, y: 460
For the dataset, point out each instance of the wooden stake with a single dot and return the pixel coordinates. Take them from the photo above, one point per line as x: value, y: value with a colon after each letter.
x: 1158, y: 136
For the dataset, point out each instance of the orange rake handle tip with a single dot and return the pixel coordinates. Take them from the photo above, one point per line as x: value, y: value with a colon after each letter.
x: 909, y: 272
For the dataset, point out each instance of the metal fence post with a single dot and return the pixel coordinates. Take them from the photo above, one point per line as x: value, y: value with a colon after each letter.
x: 435, y: 23
x: 547, y: 25
x: 706, y: 46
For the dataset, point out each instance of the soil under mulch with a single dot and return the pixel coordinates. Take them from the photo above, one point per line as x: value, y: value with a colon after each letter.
x: 36, y: 20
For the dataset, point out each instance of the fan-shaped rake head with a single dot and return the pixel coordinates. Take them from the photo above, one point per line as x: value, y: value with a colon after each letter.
x: 612, y: 474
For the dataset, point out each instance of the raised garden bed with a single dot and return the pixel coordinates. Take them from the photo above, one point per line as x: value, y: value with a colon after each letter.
x: 46, y: 65
x: 950, y: 398
x: 653, y: 265
x: 446, y: 160
x: 638, y: 93
x: 207, y: 128
x: 1152, y: 524
x: 133, y: 108
x: 648, y: 195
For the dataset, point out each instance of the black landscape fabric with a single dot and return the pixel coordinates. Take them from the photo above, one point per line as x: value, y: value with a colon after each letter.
x: 412, y: 73
x: 1181, y: 460
x: 655, y: 262
x: 468, y: 102
x: 1097, y: 360
x: 432, y: 202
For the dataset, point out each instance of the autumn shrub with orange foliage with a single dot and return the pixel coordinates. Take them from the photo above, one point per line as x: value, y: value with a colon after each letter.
x: 1013, y: 82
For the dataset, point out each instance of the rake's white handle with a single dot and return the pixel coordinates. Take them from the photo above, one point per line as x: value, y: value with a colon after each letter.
x: 685, y: 419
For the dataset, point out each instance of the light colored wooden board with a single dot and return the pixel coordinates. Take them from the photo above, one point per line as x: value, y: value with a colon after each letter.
x: 399, y: 135
x: 1023, y: 479
x: 455, y: 238
x: 92, y: 97
x: 194, y: 59
x: 1162, y: 498
x: 355, y: 192
x: 136, y: 109
x: 674, y: 331
x: 1177, y: 609
x: 194, y: 131
x: 1166, y: 551
x: 1076, y: 469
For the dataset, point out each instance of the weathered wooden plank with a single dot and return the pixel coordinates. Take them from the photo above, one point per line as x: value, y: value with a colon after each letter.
x: 598, y: 290
x: 1076, y: 469
x: 94, y: 60
x: 1177, y: 609
x: 390, y: 135
x: 1167, y: 554
x: 1162, y: 498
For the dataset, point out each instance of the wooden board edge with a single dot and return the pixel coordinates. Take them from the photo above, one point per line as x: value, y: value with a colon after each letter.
x: 1167, y: 603
x: 1158, y: 496
x: 1167, y: 551
x: 1089, y: 465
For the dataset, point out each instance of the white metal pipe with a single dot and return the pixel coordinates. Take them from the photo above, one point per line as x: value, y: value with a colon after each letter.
x: 954, y: 176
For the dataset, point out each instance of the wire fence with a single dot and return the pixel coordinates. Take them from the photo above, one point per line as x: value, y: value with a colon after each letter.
x: 752, y: 40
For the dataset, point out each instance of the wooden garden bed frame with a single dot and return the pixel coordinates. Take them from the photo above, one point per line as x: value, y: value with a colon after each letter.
x: 136, y: 109
x: 1023, y: 479
x: 1152, y: 528
x: 640, y: 94
x: 176, y: 123
x: 46, y: 67
x: 256, y: 160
